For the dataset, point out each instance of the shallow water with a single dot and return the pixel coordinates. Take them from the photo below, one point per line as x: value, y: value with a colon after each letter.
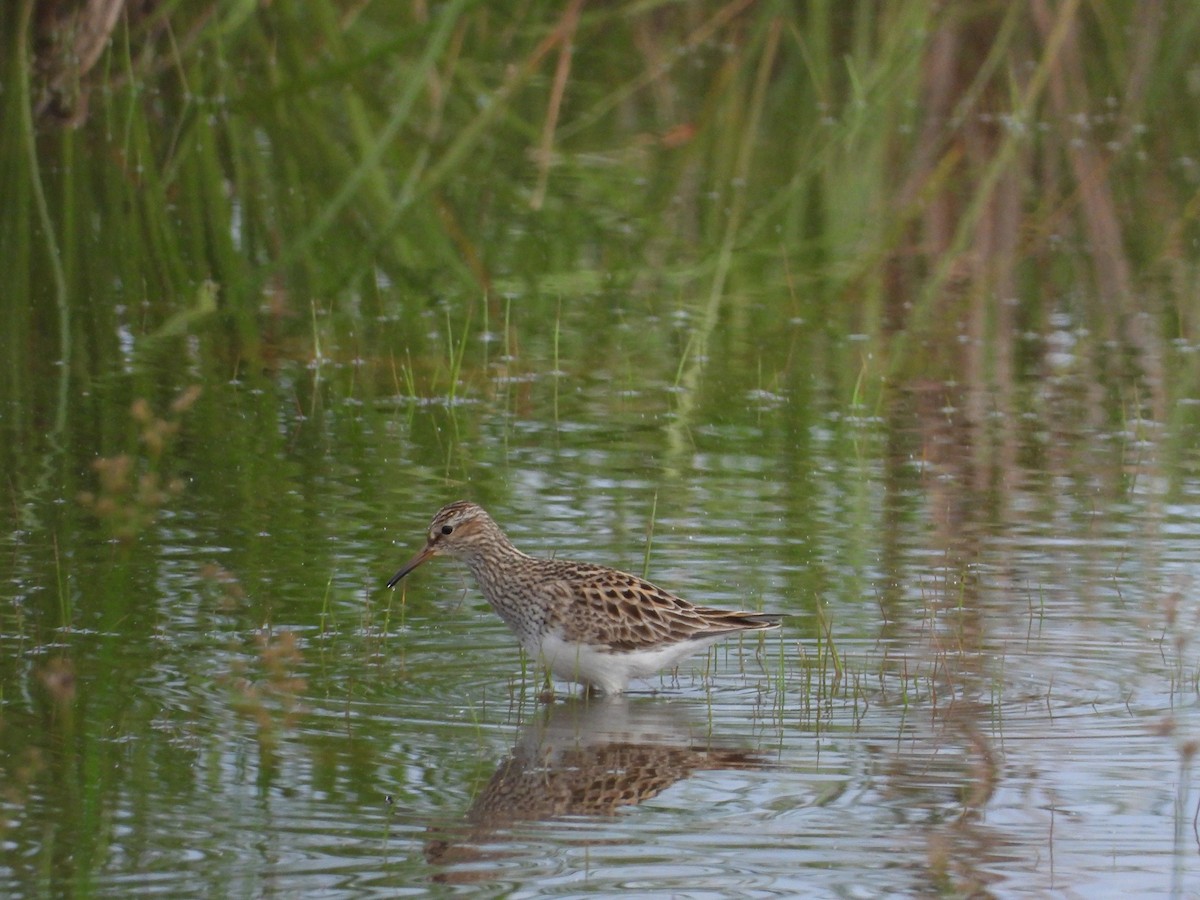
x: 868, y: 371
x: 975, y: 690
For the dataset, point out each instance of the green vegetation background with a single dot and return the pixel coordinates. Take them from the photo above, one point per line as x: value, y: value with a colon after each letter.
x: 910, y: 168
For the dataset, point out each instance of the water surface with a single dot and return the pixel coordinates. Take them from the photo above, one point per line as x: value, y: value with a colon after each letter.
x: 974, y: 690
x: 790, y: 310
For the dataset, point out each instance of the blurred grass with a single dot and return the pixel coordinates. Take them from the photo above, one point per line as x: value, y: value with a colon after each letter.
x: 939, y: 179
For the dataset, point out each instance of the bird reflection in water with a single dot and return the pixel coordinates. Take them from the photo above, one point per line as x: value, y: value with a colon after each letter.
x: 587, y: 757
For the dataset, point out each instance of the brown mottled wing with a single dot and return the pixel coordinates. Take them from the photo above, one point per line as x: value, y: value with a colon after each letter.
x: 609, y: 608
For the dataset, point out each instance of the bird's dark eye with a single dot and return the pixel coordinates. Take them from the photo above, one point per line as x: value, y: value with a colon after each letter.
x: 446, y: 529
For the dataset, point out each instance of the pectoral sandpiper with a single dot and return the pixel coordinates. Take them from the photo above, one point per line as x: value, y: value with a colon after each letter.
x: 586, y: 623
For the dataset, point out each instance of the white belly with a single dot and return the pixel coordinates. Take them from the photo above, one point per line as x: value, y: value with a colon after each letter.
x: 610, y: 672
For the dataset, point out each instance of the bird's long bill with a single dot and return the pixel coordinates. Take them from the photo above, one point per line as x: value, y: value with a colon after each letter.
x: 412, y: 564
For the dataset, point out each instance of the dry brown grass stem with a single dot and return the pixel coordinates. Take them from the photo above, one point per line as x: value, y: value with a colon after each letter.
x: 543, y: 156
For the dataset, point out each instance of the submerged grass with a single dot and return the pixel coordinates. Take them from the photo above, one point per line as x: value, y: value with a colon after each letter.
x: 650, y: 523
x: 455, y: 354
